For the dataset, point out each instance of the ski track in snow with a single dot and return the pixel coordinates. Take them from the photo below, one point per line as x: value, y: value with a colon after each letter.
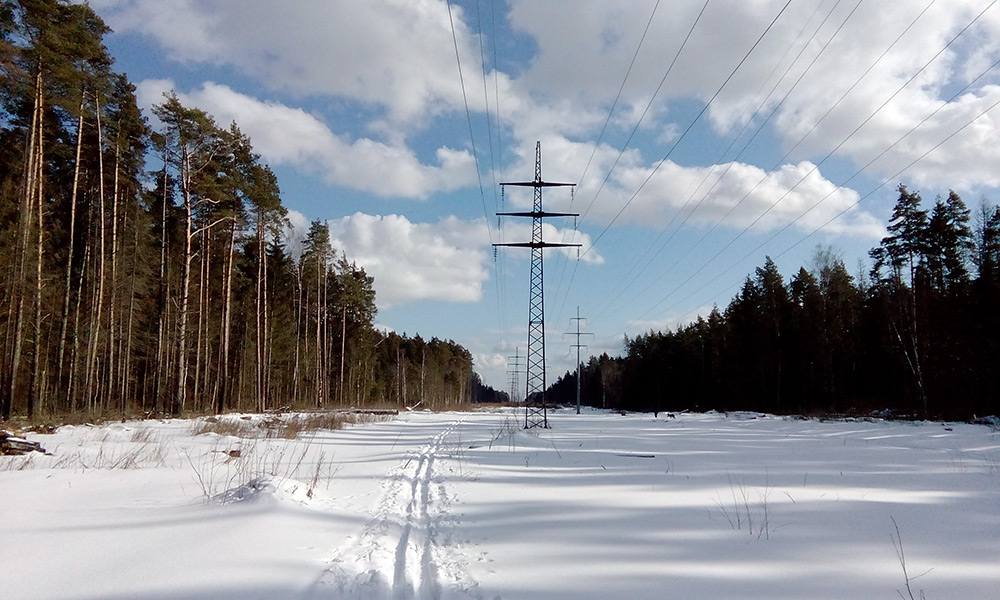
x: 403, y: 551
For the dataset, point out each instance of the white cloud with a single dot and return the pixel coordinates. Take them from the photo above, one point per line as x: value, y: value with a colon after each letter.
x: 397, y: 60
x: 416, y: 261
x: 966, y: 161
x: 190, y: 31
x: 395, y: 54
x: 296, y: 233
x: 737, y: 192
x: 582, y: 55
x: 857, y: 99
x: 290, y: 136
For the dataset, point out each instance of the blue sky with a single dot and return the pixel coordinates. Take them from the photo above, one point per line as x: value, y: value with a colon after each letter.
x: 775, y: 128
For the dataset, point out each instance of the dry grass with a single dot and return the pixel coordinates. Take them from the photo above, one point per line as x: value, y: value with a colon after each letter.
x: 235, y: 427
x: 287, y: 427
x: 143, y: 435
x: 228, y: 474
x: 755, y: 517
x: 17, y: 463
x: 111, y: 456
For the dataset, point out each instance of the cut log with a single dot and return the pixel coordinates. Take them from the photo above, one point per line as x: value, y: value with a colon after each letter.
x: 11, y: 445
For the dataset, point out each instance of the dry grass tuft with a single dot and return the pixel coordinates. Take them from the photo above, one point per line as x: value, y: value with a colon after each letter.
x: 16, y: 463
x: 231, y: 427
x: 143, y: 435
x: 287, y: 427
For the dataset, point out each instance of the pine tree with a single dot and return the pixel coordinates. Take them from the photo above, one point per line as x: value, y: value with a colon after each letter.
x: 903, y: 252
x: 987, y: 244
x: 193, y: 143
x: 903, y: 248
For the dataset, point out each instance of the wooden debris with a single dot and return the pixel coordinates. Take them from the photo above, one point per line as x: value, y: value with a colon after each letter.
x: 11, y: 445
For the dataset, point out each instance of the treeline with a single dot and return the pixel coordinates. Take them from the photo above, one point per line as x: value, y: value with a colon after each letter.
x: 431, y: 374
x: 919, y: 334
x: 168, y: 288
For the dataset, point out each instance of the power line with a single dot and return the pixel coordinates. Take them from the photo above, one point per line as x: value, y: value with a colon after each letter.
x: 635, y: 128
x: 680, y: 138
x: 828, y: 155
x: 690, y: 126
x: 497, y: 271
x: 856, y: 174
x: 468, y: 115
x: 650, y: 103
x: 614, y: 104
x: 636, y: 270
x: 854, y: 204
x: 475, y: 155
x: 486, y: 100
x: 733, y: 208
x: 628, y: 71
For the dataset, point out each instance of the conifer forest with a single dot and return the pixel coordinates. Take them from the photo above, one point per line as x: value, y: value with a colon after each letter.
x: 916, y: 334
x: 143, y: 269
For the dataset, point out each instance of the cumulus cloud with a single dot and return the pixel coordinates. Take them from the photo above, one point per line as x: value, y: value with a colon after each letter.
x: 185, y: 30
x: 830, y: 93
x: 747, y: 196
x: 290, y: 136
x: 809, y: 68
x: 886, y: 102
x: 394, y: 54
x: 416, y: 261
x: 734, y: 195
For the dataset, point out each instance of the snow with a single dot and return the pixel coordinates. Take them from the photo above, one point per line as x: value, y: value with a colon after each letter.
x: 468, y: 505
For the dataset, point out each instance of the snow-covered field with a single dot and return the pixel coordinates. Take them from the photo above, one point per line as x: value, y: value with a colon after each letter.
x: 468, y: 505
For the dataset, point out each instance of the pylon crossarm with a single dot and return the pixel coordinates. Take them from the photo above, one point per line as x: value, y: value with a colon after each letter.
x: 540, y: 214
x: 538, y: 184
x: 539, y: 245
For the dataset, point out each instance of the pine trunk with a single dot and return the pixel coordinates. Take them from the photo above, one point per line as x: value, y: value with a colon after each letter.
x: 224, y: 387
x: 93, y: 380
x: 36, y: 358
x: 258, y: 325
x: 182, y: 363
x: 318, y: 345
x: 299, y: 328
x: 113, y: 356
x: 160, y: 393
x: 75, y: 352
x: 24, y: 233
x: 266, y: 349
x: 343, y: 347
x: 200, y: 336
x: 64, y: 322
x: 126, y: 365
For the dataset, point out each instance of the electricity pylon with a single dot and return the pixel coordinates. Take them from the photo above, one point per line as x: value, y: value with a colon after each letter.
x: 513, y: 369
x: 578, y: 346
x: 535, y: 414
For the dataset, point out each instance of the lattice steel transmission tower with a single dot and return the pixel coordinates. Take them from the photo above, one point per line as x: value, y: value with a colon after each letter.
x: 535, y: 411
x: 579, y: 365
x: 513, y: 369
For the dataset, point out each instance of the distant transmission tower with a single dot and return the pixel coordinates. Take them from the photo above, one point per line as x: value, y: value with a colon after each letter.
x: 535, y: 414
x: 513, y: 368
x: 579, y: 365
